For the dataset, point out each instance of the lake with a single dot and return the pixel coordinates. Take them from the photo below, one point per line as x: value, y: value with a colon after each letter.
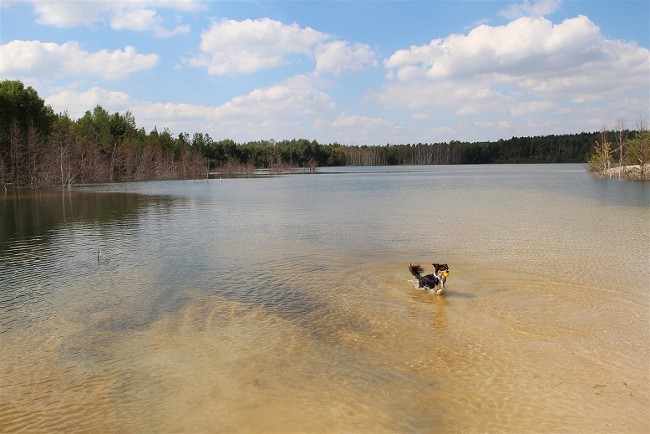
x: 284, y: 303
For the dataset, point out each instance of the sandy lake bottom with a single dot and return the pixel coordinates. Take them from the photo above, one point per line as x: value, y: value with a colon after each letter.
x: 285, y: 305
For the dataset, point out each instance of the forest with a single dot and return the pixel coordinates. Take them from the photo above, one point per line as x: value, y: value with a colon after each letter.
x: 41, y: 148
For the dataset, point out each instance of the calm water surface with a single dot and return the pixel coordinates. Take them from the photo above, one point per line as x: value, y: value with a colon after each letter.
x: 284, y: 304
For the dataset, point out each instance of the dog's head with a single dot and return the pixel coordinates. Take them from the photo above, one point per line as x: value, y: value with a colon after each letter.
x: 441, y: 269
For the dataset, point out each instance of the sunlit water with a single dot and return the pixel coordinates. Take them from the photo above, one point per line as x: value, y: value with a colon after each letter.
x: 284, y: 304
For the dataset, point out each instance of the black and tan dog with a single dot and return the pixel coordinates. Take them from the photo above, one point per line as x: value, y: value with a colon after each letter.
x: 431, y: 281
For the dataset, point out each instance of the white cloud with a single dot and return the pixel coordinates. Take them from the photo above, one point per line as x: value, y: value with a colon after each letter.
x: 143, y: 20
x: 339, y: 55
x: 477, y: 23
x: 527, y: 59
x: 552, y: 77
x: 461, y: 98
x: 137, y: 20
x: 293, y: 108
x: 297, y: 96
x: 355, y: 121
x: 283, y: 110
x: 70, y: 13
x: 178, y: 117
x: 350, y: 128
x: 231, y: 46
x: 523, y: 46
x: 619, y: 69
x: 135, y: 15
x: 529, y: 76
x: 495, y: 125
x: 76, y: 104
x: 537, y: 8
x: 29, y: 59
x: 412, y: 63
x: 527, y: 107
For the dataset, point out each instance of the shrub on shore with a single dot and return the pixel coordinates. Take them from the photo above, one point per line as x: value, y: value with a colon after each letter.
x: 634, y: 156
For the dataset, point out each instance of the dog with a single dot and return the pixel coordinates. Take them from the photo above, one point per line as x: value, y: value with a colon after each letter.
x: 431, y: 281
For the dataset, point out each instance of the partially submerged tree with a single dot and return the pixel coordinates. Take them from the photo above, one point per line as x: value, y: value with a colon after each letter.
x: 601, y: 157
x: 633, y: 152
x: 620, y: 135
x: 638, y: 152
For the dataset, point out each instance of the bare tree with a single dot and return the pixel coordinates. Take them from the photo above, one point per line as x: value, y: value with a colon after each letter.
x: 620, y: 135
x: 605, y: 148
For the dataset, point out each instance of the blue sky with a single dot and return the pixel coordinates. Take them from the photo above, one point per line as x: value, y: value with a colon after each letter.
x: 352, y: 72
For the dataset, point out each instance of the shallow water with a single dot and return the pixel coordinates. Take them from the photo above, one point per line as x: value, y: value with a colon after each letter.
x: 284, y: 304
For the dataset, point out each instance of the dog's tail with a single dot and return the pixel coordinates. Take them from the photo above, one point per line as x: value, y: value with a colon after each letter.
x: 416, y: 270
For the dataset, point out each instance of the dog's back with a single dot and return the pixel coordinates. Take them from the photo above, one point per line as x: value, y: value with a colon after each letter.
x: 428, y: 281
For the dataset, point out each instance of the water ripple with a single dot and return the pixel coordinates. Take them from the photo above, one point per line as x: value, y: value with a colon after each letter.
x: 285, y: 305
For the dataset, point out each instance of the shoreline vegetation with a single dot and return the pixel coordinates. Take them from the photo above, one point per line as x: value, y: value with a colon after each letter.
x: 628, y: 172
x: 39, y: 148
x: 629, y: 160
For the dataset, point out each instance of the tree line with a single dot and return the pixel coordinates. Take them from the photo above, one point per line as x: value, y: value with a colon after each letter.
x: 40, y: 148
x: 567, y: 148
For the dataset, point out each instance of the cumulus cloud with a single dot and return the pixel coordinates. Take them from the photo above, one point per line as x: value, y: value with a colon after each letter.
x: 620, y: 68
x: 527, y: 107
x: 292, y: 108
x: 533, y: 55
x: 537, y: 8
x: 339, y: 55
x: 231, y: 46
x: 77, y: 103
x: 29, y: 59
x: 295, y: 96
x: 135, y: 15
x: 465, y: 98
x: 69, y: 14
x: 351, y: 128
x: 496, y: 125
x: 549, y: 73
x: 356, y: 121
x: 284, y: 109
x: 143, y: 20
x: 178, y: 117
x: 525, y: 46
